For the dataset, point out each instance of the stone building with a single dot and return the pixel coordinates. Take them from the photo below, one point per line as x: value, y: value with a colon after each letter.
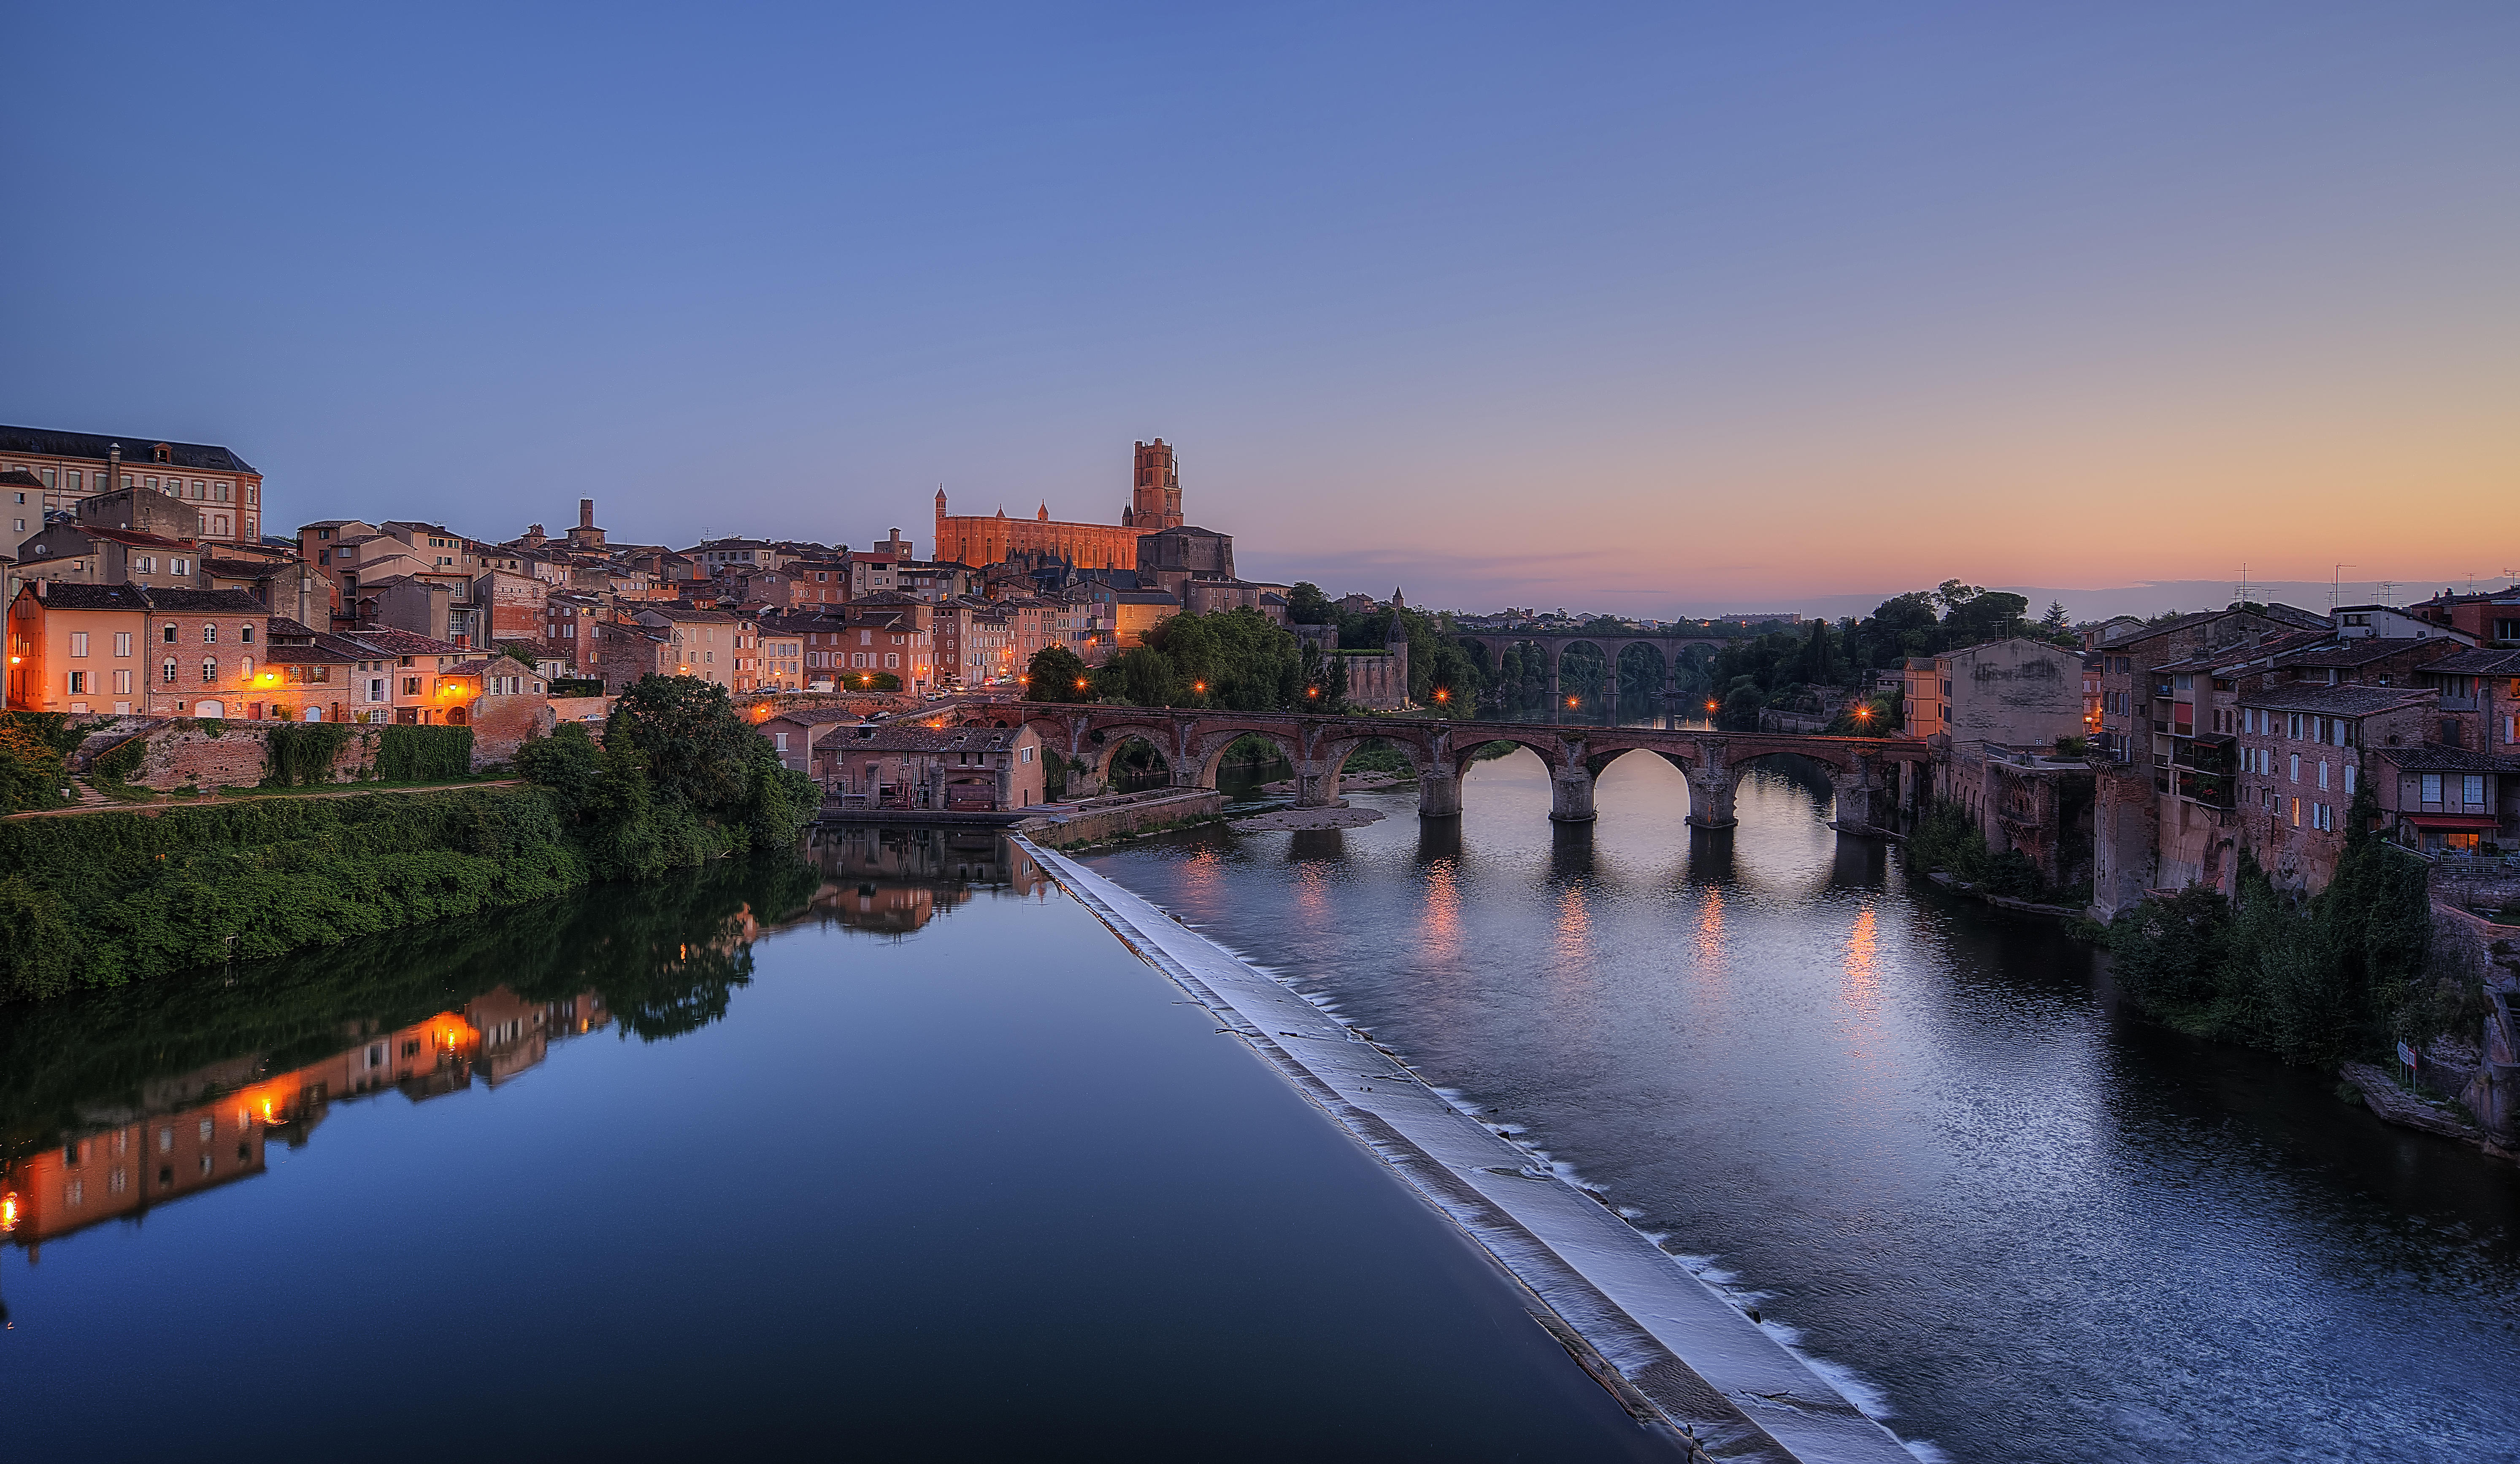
x: 2162, y: 805
x: 910, y: 764
x: 2012, y: 692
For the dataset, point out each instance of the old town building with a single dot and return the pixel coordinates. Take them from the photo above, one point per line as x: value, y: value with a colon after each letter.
x: 911, y: 765
x: 68, y: 468
x: 133, y: 648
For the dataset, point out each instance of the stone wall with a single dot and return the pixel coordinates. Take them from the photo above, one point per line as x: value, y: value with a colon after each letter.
x: 185, y: 753
x: 1143, y: 815
x: 501, y: 724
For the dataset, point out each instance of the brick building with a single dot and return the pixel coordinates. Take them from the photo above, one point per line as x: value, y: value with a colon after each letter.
x: 2164, y: 816
x: 911, y: 765
x: 68, y: 468
x: 1155, y: 505
x: 131, y: 648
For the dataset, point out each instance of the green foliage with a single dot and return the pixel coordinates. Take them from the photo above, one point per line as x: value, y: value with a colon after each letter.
x: 102, y: 899
x: 106, y: 898
x: 680, y: 777
x: 1054, y: 675
x: 1245, y: 660
x: 31, y: 760
x: 297, y: 755
x: 114, y: 767
x: 1377, y: 756
x: 411, y: 754
x: 575, y: 686
x: 2312, y: 981
x: 1948, y: 839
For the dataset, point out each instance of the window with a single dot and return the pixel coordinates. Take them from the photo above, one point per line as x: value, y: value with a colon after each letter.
x: 210, y: 635
x: 166, y: 673
x: 2430, y: 788
x: 171, y: 635
x: 2348, y: 779
x: 2473, y: 785
x: 123, y: 683
x: 411, y: 686
x: 244, y: 667
x: 209, y: 670
x: 245, y: 635
x: 78, y: 683
x: 2296, y: 767
x: 2296, y: 814
x: 2322, y: 774
x: 78, y: 643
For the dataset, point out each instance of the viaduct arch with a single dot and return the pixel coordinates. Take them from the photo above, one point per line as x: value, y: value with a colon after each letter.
x: 1613, y: 644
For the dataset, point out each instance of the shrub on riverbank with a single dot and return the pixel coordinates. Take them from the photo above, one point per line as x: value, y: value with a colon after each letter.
x: 101, y: 899
x: 2312, y: 981
x: 33, y: 747
x: 1948, y: 839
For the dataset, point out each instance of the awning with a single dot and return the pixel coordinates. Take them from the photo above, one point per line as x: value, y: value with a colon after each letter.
x: 2482, y: 821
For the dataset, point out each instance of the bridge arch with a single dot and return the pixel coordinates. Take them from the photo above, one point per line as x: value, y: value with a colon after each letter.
x: 1208, y: 755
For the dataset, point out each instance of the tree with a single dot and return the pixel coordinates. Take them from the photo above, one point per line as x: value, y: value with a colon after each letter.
x: 1306, y: 604
x: 2054, y: 621
x: 1056, y: 673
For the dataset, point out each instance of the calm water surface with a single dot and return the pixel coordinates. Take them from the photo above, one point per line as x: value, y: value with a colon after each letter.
x: 2017, y: 1223
x: 899, y: 1154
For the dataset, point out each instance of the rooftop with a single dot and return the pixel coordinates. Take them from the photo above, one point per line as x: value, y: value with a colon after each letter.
x: 137, y: 452
x: 2338, y: 701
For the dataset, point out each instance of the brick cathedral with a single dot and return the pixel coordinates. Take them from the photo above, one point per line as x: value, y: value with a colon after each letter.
x: 1155, y: 505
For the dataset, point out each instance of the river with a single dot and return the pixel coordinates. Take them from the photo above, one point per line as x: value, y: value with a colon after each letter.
x: 2014, y: 1220
x: 896, y: 1154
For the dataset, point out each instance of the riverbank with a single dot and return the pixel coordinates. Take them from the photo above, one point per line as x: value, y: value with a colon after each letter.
x: 1664, y: 1337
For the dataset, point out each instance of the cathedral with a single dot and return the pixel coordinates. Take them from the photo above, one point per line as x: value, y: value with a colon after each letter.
x: 1155, y: 505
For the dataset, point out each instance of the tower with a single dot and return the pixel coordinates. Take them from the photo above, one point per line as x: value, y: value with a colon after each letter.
x: 1155, y: 497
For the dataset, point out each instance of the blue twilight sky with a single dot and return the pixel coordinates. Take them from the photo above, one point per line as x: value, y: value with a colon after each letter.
x: 1681, y: 307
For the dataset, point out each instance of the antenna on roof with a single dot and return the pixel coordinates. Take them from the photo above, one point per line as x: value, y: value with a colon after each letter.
x: 2388, y: 592
x: 2242, y: 588
x: 2335, y: 583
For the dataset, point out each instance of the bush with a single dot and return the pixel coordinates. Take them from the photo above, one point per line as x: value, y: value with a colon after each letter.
x: 407, y: 753
x: 106, y: 898
x: 2312, y: 981
x: 298, y: 755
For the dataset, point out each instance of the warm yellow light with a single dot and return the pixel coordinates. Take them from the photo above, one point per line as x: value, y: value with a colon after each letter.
x: 1198, y: 686
x: 1713, y: 705
x: 1441, y: 695
x: 8, y: 1211
x: 1080, y: 683
x: 1570, y: 701
x: 1312, y: 691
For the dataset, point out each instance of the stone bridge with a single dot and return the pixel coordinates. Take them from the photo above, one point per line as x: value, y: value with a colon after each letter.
x: 1865, y: 772
x: 1612, y: 644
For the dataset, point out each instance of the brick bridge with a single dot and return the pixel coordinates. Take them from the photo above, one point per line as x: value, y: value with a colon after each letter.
x: 1863, y: 771
x: 1554, y: 644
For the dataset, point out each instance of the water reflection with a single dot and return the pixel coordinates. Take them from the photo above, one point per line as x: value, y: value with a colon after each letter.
x: 121, y: 1102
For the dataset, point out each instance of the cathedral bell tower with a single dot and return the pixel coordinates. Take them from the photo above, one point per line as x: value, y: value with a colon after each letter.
x: 1155, y: 497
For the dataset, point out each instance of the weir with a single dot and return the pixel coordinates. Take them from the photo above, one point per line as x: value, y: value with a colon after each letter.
x: 1673, y: 1341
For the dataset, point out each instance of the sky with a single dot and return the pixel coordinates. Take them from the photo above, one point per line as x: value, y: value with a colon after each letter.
x: 1650, y: 310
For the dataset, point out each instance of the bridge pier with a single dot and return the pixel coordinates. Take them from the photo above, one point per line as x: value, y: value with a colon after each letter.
x: 1316, y: 784
x: 1855, y: 791
x: 1570, y: 795
x: 1710, y: 797
x: 1439, y: 792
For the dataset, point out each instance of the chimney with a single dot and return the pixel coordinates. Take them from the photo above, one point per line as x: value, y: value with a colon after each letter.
x: 114, y: 467
x: 39, y: 587
x: 586, y: 513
